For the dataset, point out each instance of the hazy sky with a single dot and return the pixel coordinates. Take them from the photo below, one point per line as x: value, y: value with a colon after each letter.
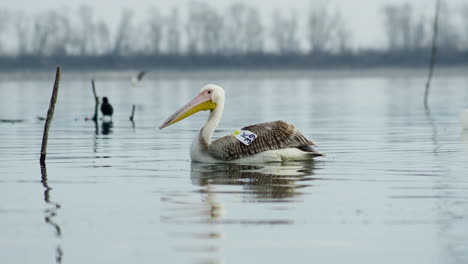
x: 364, y: 17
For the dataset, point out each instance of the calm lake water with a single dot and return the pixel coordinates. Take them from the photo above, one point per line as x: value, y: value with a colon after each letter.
x: 393, y: 187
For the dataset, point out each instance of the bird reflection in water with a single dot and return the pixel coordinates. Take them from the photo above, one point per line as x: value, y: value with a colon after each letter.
x: 261, y: 182
x: 272, y: 182
x: 107, y: 127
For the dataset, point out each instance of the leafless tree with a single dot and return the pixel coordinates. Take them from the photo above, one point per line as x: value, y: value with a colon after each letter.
x: 85, y: 31
x: 243, y: 31
x: 90, y: 36
x: 101, y: 41
x: 323, y: 25
x: 448, y: 38
x: 51, y: 34
x: 23, y: 32
x: 156, y: 26
x: 404, y: 32
x: 172, y: 39
x: 284, y: 33
x: 464, y: 19
x: 123, y: 39
x: 4, y: 20
x: 253, y: 31
x: 343, y: 37
x: 204, y: 28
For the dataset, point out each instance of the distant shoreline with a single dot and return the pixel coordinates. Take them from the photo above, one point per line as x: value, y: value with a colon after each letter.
x: 47, y: 73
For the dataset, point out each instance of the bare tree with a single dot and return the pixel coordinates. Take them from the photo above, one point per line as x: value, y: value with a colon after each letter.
x: 449, y: 38
x: 464, y: 19
x: 85, y: 31
x: 123, y: 39
x: 155, y: 31
x: 173, y: 44
x: 322, y: 28
x: 51, y: 34
x: 253, y: 31
x: 284, y: 33
x: 243, y: 30
x: 404, y: 32
x: 4, y: 20
x: 23, y: 32
x: 203, y: 29
x: 101, y: 41
x: 343, y: 36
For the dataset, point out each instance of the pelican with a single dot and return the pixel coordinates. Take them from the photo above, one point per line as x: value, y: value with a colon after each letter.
x: 274, y: 141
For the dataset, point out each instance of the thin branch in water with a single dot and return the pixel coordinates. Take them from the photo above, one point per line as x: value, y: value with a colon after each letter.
x: 96, y: 102
x: 433, y: 52
x: 133, y: 113
x: 50, y: 114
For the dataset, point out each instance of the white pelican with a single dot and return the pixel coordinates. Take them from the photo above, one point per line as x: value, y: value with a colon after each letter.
x: 275, y: 141
x: 464, y: 119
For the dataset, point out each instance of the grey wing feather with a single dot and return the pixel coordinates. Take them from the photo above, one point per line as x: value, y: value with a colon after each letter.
x: 270, y: 136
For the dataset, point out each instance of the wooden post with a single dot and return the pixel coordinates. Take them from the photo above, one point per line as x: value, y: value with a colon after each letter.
x: 433, y: 52
x: 133, y: 113
x: 96, y: 102
x: 50, y: 114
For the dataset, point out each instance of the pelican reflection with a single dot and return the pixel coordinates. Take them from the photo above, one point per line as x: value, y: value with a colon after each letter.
x: 266, y: 181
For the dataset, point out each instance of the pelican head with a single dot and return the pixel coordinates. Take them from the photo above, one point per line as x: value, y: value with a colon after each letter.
x: 211, y: 97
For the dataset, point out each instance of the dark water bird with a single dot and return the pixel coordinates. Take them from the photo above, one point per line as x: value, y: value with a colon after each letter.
x: 106, y: 108
x: 265, y: 142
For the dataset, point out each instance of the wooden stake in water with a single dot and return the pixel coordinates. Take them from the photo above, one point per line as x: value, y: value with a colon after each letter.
x: 96, y: 102
x: 433, y: 52
x: 50, y: 115
x: 133, y: 113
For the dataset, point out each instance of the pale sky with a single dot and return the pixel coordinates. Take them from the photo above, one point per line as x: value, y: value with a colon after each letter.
x: 364, y: 17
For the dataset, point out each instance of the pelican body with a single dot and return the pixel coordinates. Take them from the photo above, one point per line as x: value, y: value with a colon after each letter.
x: 275, y: 141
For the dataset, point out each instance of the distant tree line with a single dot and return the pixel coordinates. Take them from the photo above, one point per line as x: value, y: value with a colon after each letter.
x: 202, y: 36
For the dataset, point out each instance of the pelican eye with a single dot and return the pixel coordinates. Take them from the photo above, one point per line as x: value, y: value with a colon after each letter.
x: 209, y: 91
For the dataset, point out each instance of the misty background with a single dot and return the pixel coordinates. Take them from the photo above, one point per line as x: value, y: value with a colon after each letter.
x: 276, y: 34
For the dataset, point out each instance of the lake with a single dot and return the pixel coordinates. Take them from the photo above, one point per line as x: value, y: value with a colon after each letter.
x: 392, y: 188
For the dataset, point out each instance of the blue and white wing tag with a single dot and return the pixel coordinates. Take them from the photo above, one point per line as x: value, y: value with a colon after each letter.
x: 245, y: 136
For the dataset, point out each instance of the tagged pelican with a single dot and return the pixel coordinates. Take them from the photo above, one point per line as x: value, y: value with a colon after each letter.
x: 265, y: 142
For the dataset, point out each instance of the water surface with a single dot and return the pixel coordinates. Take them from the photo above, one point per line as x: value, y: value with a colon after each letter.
x: 392, y: 188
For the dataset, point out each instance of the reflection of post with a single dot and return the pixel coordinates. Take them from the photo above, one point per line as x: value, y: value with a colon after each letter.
x: 132, y: 115
x: 96, y: 102
x: 51, y: 213
x: 96, y: 127
x: 435, y: 140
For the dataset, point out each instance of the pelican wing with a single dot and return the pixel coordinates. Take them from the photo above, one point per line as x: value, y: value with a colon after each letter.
x: 270, y: 136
